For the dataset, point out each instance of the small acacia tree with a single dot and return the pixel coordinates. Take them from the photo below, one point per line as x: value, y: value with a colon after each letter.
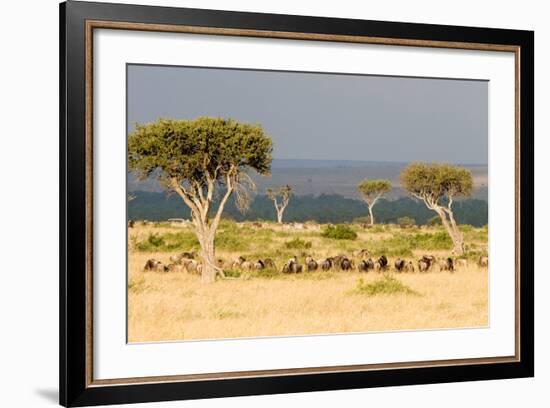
x: 197, y: 159
x: 284, y: 194
x: 434, y: 183
x: 372, y: 190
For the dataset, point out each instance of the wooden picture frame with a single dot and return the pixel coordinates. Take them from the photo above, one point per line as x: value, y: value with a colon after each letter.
x: 78, y: 20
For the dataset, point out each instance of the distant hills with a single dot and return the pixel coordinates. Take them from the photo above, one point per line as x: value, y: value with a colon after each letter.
x: 332, y: 177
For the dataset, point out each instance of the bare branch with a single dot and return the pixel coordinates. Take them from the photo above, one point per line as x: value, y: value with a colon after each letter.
x: 243, y: 186
x: 230, y: 185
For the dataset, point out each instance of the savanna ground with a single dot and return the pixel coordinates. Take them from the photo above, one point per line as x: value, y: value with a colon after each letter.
x: 177, y: 306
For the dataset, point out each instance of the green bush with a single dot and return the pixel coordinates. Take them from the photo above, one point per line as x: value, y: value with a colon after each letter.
x: 168, y: 242
x: 402, y: 249
x: 339, y: 231
x: 474, y: 234
x: 439, y: 240
x: 403, y: 244
x: 231, y: 273
x: 473, y: 254
x: 230, y: 240
x: 434, y: 221
x: 298, y: 243
x: 385, y: 286
x: 406, y: 222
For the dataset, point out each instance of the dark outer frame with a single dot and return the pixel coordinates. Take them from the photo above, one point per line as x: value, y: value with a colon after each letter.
x: 77, y: 387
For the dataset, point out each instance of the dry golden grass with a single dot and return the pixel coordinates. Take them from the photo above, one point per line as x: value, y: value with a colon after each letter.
x: 177, y: 306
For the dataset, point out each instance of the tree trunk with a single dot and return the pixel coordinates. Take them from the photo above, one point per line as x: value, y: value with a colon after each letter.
x: 454, y: 233
x: 371, y: 216
x: 208, y: 255
x: 280, y: 216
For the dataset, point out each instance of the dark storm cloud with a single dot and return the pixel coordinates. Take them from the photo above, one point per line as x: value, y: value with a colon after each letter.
x: 326, y: 116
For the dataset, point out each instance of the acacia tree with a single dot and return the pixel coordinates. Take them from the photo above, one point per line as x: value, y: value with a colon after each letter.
x: 438, y: 185
x: 284, y: 193
x: 199, y: 159
x: 372, y: 190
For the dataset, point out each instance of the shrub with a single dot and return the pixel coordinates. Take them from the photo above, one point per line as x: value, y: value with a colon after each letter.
x: 230, y: 240
x: 473, y: 254
x: 231, y: 273
x: 439, y: 240
x: 434, y: 221
x: 339, y: 231
x: 402, y: 250
x: 168, y: 242
x: 385, y: 286
x: 474, y: 234
x: 406, y: 222
x: 227, y: 224
x: 298, y: 243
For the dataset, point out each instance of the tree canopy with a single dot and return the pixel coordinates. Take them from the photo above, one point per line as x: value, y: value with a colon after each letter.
x: 198, y: 150
x: 283, y: 192
x: 432, y: 182
x: 374, y: 187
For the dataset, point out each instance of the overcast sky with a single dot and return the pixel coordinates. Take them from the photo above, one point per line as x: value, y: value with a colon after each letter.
x: 326, y: 116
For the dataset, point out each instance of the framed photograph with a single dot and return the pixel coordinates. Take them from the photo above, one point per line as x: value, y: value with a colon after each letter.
x: 257, y: 204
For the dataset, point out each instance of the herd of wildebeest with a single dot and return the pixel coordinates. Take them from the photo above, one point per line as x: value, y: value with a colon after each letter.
x: 361, y: 261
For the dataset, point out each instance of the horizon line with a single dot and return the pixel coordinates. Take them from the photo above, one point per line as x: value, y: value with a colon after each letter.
x: 382, y: 161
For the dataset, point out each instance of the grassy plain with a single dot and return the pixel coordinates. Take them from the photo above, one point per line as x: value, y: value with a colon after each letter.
x: 177, y: 306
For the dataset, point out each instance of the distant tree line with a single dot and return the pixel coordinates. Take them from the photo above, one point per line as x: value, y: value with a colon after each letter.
x: 324, y: 208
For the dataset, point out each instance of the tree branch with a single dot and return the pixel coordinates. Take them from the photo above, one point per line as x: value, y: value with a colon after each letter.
x: 184, y: 194
x: 229, y: 182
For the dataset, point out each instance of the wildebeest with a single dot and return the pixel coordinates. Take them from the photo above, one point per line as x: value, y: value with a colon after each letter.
x: 400, y: 265
x: 327, y: 264
x: 175, y: 268
x: 337, y: 260
x: 346, y: 264
x: 366, y: 265
x: 292, y: 266
x: 361, y: 253
x: 425, y: 263
x: 131, y: 223
x: 311, y: 264
x: 193, y: 266
x: 184, y: 255
x: 247, y: 266
x: 377, y: 266
x: 483, y: 261
x: 342, y: 262
x: 259, y: 264
x: 155, y: 265
x: 238, y: 262
x: 296, y: 267
x: 409, y: 267
x: 268, y: 263
x: 383, y: 262
x: 446, y: 265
